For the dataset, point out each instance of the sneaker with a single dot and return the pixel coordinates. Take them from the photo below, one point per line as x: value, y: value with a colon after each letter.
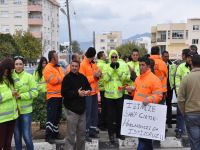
x: 169, y: 125
x: 50, y: 140
x: 121, y: 137
x: 178, y: 135
x: 59, y: 137
x: 94, y: 136
x: 112, y: 139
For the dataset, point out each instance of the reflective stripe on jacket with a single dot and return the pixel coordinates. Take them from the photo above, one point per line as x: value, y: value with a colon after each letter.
x: 88, y: 69
x: 27, y: 88
x: 161, y: 71
x: 8, y: 104
x: 148, y: 87
x: 53, y: 75
x: 41, y: 84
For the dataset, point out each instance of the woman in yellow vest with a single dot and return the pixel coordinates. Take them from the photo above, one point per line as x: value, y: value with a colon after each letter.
x: 27, y: 89
x: 8, y: 105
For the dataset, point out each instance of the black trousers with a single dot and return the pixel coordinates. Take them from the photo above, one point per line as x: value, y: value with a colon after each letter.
x: 103, y: 114
x: 114, y: 109
x: 169, y: 105
x: 6, y: 134
x: 54, y: 112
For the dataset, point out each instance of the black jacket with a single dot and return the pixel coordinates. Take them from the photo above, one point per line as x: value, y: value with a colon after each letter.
x: 70, y: 85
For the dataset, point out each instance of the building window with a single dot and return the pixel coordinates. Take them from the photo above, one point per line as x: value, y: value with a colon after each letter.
x: 177, y: 34
x: 17, y: 14
x: 102, y: 40
x: 169, y: 34
x: 112, y: 47
x: 18, y: 27
x: 103, y: 48
x: 5, y: 28
x: 2, y: 2
x: 195, y: 27
x: 4, y: 14
x: 17, y: 2
x: 195, y: 41
x: 112, y: 40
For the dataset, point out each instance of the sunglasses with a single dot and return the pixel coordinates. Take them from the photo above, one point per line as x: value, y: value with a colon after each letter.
x: 114, y: 57
x: 19, y: 57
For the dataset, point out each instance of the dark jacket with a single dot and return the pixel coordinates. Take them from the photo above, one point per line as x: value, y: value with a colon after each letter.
x: 70, y: 86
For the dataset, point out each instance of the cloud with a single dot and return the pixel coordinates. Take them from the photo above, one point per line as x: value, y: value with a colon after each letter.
x: 143, y: 16
x: 128, y: 16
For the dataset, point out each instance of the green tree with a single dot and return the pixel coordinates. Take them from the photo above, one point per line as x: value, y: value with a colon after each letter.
x: 29, y: 46
x: 76, y: 47
x: 126, y: 49
x: 8, y: 45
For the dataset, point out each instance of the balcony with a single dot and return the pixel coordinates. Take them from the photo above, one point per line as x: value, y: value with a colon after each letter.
x: 161, y: 40
x: 37, y: 34
x: 35, y: 21
x: 35, y: 8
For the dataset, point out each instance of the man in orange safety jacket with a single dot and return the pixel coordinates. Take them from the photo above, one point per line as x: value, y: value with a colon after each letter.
x: 53, y: 76
x: 88, y: 67
x: 160, y: 69
x: 148, y: 89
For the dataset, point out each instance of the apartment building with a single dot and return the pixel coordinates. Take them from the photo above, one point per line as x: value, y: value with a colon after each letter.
x: 174, y: 37
x: 108, y: 41
x: 40, y: 17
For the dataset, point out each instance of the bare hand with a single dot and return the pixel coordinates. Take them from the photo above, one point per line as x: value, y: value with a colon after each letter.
x: 87, y: 93
x: 130, y: 88
x: 81, y: 92
x: 145, y: 102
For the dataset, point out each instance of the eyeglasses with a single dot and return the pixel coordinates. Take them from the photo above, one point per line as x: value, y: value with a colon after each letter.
x: 114, y: 57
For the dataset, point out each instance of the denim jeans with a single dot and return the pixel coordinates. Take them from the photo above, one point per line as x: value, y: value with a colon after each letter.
x: 23, y: 128
x: 180, y: 123
x: 145, y: 144
x: 192, y: 122
x: 91, y: 114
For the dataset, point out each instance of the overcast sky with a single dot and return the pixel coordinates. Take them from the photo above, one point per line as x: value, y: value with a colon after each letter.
x: 129, y: 16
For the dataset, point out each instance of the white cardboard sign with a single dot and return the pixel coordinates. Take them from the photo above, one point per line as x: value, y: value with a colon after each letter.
x: 143, y: 121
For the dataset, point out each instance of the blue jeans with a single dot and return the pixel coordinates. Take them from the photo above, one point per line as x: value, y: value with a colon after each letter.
x: 91, y: 114
x: 180, y: 123
x: 145, y: 144
x: 23, y: 128
x: 192, y: 122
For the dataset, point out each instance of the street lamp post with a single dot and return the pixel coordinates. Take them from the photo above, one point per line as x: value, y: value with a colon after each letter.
x: 69, y: 28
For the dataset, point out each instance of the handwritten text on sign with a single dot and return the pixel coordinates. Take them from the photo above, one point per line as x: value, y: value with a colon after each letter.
x: 143, y: 121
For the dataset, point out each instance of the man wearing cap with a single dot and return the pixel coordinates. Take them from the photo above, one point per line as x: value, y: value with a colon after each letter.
x: 89, y: 68
x: 182, y: 70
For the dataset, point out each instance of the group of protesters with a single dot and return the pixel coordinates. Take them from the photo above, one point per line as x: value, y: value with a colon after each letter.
x: 148, y: 79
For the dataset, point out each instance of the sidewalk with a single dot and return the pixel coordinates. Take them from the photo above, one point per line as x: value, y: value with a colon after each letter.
x: 102, y: 143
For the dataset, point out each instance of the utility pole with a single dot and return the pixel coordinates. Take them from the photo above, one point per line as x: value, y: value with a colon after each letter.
x: 69, y: 30
x: 94, y: 39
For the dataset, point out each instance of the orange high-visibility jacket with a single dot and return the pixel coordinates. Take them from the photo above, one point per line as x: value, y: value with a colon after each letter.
x: 53, y: 76
x: 148, y: 87
x: 88, y: 69
x: 161, y: 71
